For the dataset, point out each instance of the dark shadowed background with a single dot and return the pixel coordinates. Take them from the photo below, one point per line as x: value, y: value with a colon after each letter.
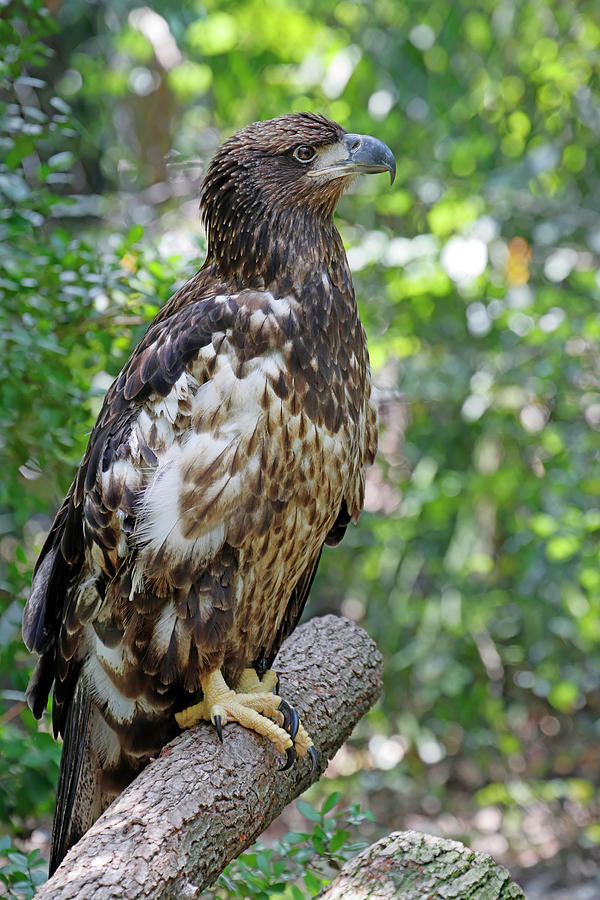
x: 476, y: 565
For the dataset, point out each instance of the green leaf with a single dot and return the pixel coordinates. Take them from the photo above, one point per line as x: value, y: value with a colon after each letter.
x: 29, y: 81
x: 330, y: 802
x: 563, y: 696
x: 312, y: 883
x: 60, y: 105
x: 20, y: 554
x: 262, y: 861
x: 14, y: 187
x: 338, y: 840
x: 134, y: 234
x: 62, y: 160
x: 319, y: 846
x: 228, y: 882
x: 296, y: 837
x: 308, y: 812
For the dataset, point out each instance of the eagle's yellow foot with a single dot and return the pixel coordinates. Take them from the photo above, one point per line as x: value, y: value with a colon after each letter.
x: 250, y: 683
x: 269, y: 684
x: 253, y: 706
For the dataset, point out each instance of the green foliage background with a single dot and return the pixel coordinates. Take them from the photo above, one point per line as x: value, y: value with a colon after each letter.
x: 476, y: 565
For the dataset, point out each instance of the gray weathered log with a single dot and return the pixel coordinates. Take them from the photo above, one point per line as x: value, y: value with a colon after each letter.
x: 415, y: 866
x: 200, y: 804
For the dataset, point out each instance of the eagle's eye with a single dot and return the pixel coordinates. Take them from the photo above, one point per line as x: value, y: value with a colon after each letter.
x: 304, y: 153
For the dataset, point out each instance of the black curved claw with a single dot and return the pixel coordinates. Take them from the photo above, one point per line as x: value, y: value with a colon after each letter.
x: 260, y: 667
x: 291, y: 757
x: 290, y: 718
x: 219, y: 728
x: 314, y: 758
x: 276, y: 688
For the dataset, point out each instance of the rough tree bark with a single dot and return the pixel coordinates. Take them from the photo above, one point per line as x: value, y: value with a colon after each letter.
x: 415, y: 866
x: 201, y: 803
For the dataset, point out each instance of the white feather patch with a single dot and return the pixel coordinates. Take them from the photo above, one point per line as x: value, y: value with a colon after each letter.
x: 113, y: 657
x: 105, y: 693
x: 226, y: 411
x: 161, y: 636
x: 281, y: 306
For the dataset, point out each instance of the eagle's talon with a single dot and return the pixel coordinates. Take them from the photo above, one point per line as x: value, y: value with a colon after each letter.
x: 290, y: 718
x: 314, y: 760
x: 276, y: 686
x: 291, y: 757
x: 253, y: 708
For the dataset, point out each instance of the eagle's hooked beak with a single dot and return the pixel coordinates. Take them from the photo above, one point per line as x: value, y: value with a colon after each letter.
x: 367, y: 154
x: 361, y: 154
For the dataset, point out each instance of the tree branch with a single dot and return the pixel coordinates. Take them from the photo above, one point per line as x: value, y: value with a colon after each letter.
x: 200, y: 804
x: 418, y: 866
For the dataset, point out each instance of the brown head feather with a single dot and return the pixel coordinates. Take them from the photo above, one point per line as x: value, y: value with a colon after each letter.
x: 256, y: 191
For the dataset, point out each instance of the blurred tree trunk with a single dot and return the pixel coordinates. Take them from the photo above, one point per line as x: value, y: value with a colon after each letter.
x: 415, y: 866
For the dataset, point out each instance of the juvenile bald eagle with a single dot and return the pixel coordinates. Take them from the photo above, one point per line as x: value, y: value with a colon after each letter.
x: 228, y: 451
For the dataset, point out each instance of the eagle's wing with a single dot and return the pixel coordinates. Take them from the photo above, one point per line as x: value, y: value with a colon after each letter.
x: 94, y: 526
x: 299, y: 595
x: 293, y: 612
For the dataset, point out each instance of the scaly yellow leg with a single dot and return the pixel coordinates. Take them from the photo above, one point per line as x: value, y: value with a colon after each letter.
x: 249, y: 683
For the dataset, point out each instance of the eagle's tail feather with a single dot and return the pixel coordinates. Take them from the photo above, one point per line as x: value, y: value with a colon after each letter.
x: 78, y: 795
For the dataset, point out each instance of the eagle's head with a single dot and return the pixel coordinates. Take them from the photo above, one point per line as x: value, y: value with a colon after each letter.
x: 281, y: 178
